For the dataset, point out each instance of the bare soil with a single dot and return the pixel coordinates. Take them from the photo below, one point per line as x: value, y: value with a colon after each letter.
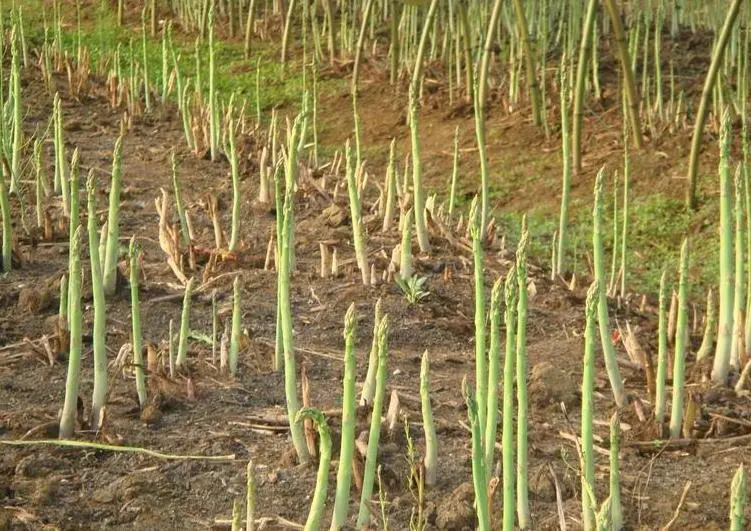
x: 201, y: 412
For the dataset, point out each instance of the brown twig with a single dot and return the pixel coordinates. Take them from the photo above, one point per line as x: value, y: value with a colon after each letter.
x: 740, y: 422
x: 677, y: 444
x: 271, y: 343
x: 677, y: 513
x: 577, y: 440
x: 112, y: 448
x: 22, y: 343
x: 558, y: 500
x: 262, y: 522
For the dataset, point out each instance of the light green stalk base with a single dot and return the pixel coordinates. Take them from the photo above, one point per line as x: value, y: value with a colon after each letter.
x: 522, y: 491
x: 481, y: 368
x: 721, y: 363
x: 7, y: 225
x: 587, y: 415
x: 431, y: 441
x: 611, y: 363
x: 70, y: 406
x: 99, y: 396
x: 510, y: 293
x: 363, y: 517
x: 322, y: 478
x: 616, y: 511
x: 662, y: 355
x: 738, y: 499
x: 134, y: 252
x: 479, y: 474
x: 285, y: 317
x: 681, y: 339
x: 182, y: 346
x: 494, y: 376
x: 355, y: 207
x: 707, y: 341
x: 234, y: 344
x: 344, y: 473
x: 235, y: 234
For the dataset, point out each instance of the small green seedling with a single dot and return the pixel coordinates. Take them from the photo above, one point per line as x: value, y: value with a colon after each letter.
x: 413, y: 288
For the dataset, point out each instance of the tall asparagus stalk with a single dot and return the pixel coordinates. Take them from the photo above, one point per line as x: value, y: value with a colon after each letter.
x: 624, y: 232
x: 706, y: 95
x: 431, y: 441
x: 530, y: 63
x: 62, y: 313
x: 249, y: 27
x: 70, y: 406
x: 363, y: 517
x: 344, y: 474
x: 235, y: 188
x: 414, y: 91
x: 99, y: 396
x: 662, y: 355
x: 388, y: 211
x: 285, y: 310
x: 481, y: 366
x: 61, y: 180
x: 588, y: 382
x: 632, y: 95
x: 739, y: 296
x: 7, y: 222
x: 747, y: 193
x: 365, y: 14
x: 322, y: 478
x: 454, y: 174
x: 681, y: 338
x: 17, y: 112
x: 494, y: 376
x: 280, y: 228
x: 368, y: 386
x: 480, y: 99
x: 707, y: 341
x: 135, y: 308
x: 522, y: 492
x: 109, y: 272
x: 182, y: 345
x: 74, y: 209
x: 566, y: 157
x: 611, y: 363
x: 146, y: 89
x: 724, y: 334
x: 510, y: 294
x: 405, y: 260
x: 356, y: 214
x: 287, y: 27
x: 235, y: 334
x: 738, y: 499
x: 581, y: 77
x: 214, y: 125
x: 180, y: 204
x: 479, y: 474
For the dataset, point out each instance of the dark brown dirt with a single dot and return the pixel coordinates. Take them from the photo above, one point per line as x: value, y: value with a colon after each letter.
x: 204, y: 413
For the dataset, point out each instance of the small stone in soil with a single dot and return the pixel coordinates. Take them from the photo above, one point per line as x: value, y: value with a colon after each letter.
x: 456, y: 512
x: 549, y: 385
